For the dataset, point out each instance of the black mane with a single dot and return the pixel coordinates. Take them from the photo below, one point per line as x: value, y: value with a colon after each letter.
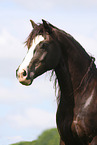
x: 40, y: 30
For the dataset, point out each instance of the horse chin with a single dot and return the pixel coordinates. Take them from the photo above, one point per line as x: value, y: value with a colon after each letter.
x: 26, y: 82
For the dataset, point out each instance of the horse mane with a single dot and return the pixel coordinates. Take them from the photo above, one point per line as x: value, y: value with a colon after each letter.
x: 38, y: 30
x: 74, y: 43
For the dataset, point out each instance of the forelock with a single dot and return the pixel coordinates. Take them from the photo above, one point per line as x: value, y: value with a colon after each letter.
x: 38, y: 30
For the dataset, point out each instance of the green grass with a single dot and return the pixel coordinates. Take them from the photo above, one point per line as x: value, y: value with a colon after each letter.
x: 48, y: 137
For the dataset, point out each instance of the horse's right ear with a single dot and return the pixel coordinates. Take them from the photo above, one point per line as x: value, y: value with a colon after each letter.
x: 47, y: 26
x: 33, y: 23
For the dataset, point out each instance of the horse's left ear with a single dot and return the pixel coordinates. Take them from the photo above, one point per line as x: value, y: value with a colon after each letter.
x: 33, y: 23
x: 47, y: 26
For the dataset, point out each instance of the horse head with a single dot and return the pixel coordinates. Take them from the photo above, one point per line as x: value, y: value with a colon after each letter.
x: 43, y: 53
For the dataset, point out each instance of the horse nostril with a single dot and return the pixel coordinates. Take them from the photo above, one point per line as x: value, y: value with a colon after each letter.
x: 17, y: 73
x: 24, y: 73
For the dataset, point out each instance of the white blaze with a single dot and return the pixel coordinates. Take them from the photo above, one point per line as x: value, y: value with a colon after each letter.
x: 29, y: 55
x: 89, y: 100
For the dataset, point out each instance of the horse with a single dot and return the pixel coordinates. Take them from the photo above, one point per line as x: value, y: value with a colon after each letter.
x: 50, y: 48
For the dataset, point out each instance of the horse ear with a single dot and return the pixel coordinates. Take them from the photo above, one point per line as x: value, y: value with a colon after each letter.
x: 47, y: 26
x: 33, y: 23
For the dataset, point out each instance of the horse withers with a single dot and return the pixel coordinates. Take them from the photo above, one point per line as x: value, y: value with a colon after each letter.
x: 50, y: 48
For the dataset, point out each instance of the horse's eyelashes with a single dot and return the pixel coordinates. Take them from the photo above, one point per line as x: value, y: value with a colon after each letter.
x: 44, y: 45
x: 34, y: 51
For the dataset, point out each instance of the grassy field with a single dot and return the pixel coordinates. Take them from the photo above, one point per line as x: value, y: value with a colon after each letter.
x: 48, y: 137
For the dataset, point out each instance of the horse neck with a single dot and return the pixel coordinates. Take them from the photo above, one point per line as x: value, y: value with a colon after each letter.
x: 76, y: 61
x: 70, y: 71
x: 64, y: 80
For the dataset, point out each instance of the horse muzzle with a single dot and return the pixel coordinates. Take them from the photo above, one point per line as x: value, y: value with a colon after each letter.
x: 23, y: 77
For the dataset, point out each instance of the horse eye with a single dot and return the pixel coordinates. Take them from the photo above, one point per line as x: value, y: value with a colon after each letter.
x: 44, y: 45
x: 34, y: 51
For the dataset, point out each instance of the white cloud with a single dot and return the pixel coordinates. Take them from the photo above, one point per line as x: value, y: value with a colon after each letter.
x: 32, y: 118
x: 36, y: 5
x: 14, y: 139
x: 12, y: 52
x: 47, y: 5
x: 11, y: 91
x: 10, y: 47
x: 89, y: 44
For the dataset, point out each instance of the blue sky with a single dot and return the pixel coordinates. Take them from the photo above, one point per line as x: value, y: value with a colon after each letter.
x: 26, y: 111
